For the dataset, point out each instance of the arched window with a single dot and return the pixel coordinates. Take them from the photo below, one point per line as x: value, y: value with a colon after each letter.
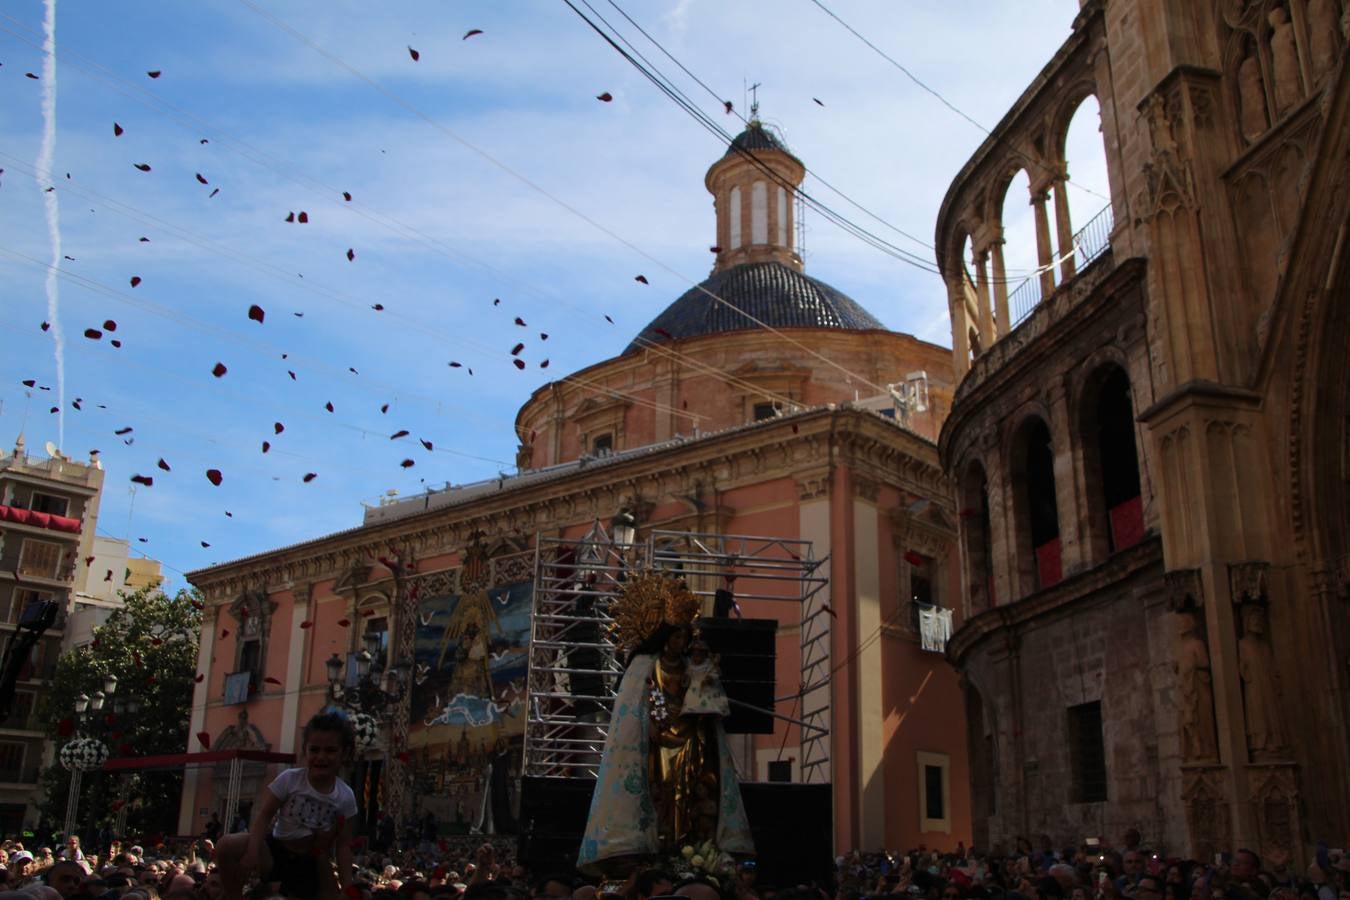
x: 1037, y: 515
x: 977, y: 535
x: 759, y: 213
x: 1021, y: 257
x: 734, y: 217
x: 1110, y: 462
x: 1084, y: 153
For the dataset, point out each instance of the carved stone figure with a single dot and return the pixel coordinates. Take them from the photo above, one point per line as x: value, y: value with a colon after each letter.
x: 1253, y: 96
x: 1199, y: 741
x: 1284, y: 61
x: 1322, y: 28
x: 1260, y: 698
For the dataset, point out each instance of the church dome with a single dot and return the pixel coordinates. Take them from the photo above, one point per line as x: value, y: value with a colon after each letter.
x: 777, y: 295
x: 756, y: 137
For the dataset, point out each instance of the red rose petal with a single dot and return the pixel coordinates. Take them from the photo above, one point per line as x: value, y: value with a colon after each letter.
x: 255, y: 312
x: 214, y: 476
x: 219, y: 369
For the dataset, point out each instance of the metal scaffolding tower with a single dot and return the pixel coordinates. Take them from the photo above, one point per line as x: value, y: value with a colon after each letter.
x: 573, y: 670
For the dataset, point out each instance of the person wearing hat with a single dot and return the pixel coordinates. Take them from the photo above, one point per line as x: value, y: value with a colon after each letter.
x: 20, y: 869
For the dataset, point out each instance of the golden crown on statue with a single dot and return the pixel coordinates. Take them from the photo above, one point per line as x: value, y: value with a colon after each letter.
x: 649, y: 600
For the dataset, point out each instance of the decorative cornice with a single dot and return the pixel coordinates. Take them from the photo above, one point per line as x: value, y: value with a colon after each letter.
x: 800, y: 446
x: 1082, y: 587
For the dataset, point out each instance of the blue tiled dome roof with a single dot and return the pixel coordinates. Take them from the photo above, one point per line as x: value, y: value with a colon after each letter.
x: 755, y: 137
x: 770, y: 292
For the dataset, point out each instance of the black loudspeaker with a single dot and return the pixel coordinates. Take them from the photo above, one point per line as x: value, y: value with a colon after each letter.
x: 552, y: 820
x: 792, y: 824
x: 793, y: 827
x: 746, y: 649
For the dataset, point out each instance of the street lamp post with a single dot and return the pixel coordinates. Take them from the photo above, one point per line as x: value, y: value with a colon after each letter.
x: 88, y: 714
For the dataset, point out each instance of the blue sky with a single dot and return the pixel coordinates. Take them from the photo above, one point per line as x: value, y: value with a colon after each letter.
x: 438, y: 230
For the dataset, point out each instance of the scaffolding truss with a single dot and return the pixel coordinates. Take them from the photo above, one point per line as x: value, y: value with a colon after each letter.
x: 573, y: 667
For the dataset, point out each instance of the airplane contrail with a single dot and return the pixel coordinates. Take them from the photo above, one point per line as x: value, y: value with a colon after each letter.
x: 53, y: 209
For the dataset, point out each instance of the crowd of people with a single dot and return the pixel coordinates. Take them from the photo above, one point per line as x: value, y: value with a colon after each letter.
x: 302, y: 845
x: 472, y: 868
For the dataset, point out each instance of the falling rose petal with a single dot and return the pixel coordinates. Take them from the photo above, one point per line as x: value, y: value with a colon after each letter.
x: 605, y: 97
x: 307, y: 624
x: 278, y: 428
x: 714, y: 249
x: 520, y: 321
x: 290, y: 217
x: 345, y: 623
x: 255, y: 312
x: 727, y: 105
x: 154, y: 73
x: 107, y: 576
x: 89, y: 560
x: 229, y: 514
x: 204, y: 543
x: 470, y: 33
x: 204, y: 738
x: 225, y: 633
x: 201, y: 179
x: 641, y: 279
x: 352, y: 369
x: 46, y: 326
x: 384, y: 408
x: 378, y: 307
x: 454, y: 365
x: 164, y: 465
x: 346, y: 195
x: 292, y: 374
x: 520, y: 363
x: 219, y: 370
x: 351, y: 254
x: 426, y: 443
x: 544, y: 364
x: 818, y: 103
x: 266, y: 445
x: 402, y: 432
x: 146, y: 480
x: 197, y: 604
x: 117, y: 130
x: 29, y: 382
x: 109, y: 325
x: 30, y: 75
x: 214, y: 476
x: 543, y: 335
x: 143, y: 239
x: 270, y: 680
x: 303, y: 218
x: 407, y: 464
x: 204, y: 141
x: 198, y: 678
x: 496, y: 301
x: 328, y: 406
x: 135, y: 280
x: 121, y: 431
x: 214, y: 191
x: 608, y: 319
x: 414, y: 54
x: 309, y: 476
x: 93, y: 334
x: 515, y: 351
x: 144, y: 167
x: 116, y: 343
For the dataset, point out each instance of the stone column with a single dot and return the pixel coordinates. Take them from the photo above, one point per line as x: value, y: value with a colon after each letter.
x: 987, y: 333
x: 1000, y: 278
x: 956, y: 305
x: 1044, y: 256
x: 1064, y: 226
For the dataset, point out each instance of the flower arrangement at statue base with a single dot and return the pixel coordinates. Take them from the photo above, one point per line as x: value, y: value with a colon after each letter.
x: 367, y: 731
x: 703, y: 861
x: 83, y: 754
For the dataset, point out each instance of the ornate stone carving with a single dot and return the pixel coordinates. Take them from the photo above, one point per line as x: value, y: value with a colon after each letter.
x: 813, y: 486
x: 1247, y: 581
x: 1260, y: 694
x: 866, y: 488
x: 1204, y: 792
x: 1185, y: 591
x: 1274, y: 805
x: 1322, y: 30
x: 1195, y: 681
x: 1169, y: 183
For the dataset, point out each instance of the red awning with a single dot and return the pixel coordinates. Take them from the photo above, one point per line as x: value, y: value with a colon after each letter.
x: 174, y: 760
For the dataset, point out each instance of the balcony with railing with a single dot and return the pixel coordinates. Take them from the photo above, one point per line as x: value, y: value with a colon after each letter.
x: 1089, y: 243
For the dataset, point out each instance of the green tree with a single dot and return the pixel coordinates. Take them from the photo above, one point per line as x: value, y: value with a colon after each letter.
x: 151, y: 645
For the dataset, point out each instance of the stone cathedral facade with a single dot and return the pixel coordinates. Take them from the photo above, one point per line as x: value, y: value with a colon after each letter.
x: 1150, y: 440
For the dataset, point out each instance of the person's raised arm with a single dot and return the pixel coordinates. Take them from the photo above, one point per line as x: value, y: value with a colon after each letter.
x: 268, y: 804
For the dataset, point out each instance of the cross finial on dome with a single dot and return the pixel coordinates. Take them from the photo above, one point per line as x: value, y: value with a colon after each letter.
x: 754, y: 101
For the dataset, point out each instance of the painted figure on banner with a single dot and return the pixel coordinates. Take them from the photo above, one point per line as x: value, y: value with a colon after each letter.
x: 666, y: 779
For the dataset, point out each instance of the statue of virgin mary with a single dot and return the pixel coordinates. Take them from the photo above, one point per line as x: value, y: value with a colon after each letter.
x: 666, y: 778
